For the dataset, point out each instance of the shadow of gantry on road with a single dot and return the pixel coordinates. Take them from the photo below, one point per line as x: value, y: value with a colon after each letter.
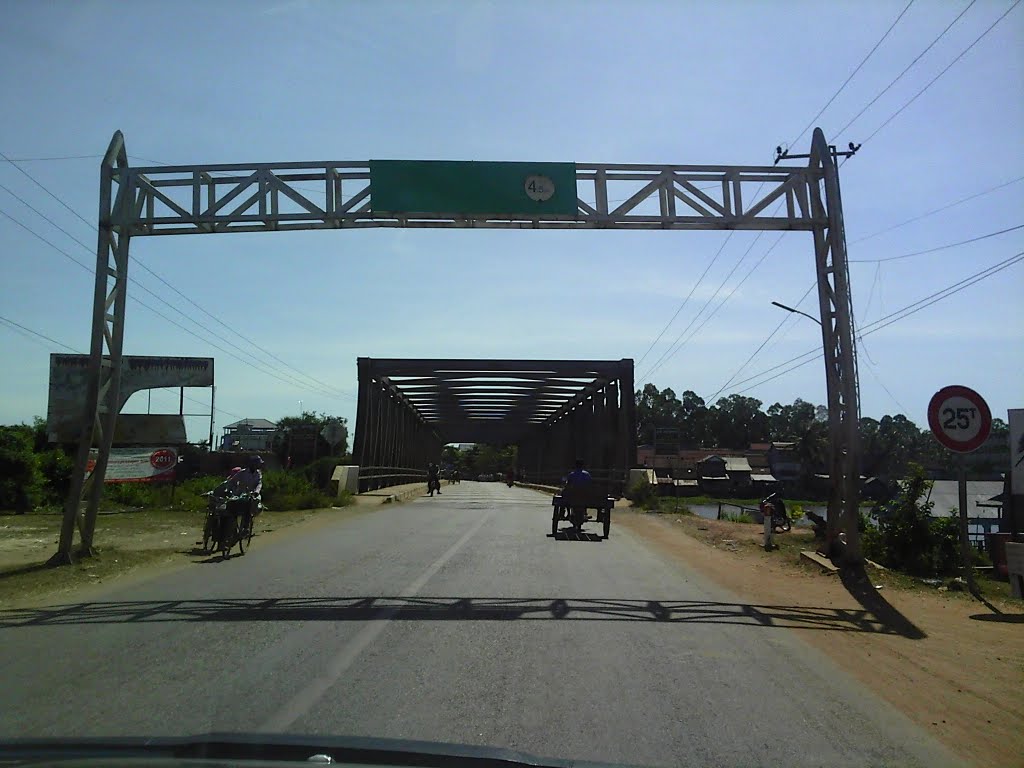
x: 448, y: 609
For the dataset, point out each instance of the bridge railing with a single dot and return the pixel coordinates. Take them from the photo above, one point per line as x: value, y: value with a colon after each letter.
x: 373, y: 478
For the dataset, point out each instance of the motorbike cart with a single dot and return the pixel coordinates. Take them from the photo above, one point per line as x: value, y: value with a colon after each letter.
x: 572, y: 505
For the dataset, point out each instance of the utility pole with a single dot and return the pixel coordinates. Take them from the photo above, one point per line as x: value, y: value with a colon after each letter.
x: 838, y: 344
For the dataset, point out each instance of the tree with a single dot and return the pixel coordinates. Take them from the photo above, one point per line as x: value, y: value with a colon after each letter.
x: 900, y: 441
x: 693, y: 420
x: 655, y: 410
x: 788, y: 422
x: 737, y: 421
x: 21, y: 481
x: 310, y: 419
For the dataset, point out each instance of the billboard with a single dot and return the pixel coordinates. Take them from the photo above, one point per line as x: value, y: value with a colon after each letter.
x: 467, y: 187
x: 138, y: 465
x: 69, y: 375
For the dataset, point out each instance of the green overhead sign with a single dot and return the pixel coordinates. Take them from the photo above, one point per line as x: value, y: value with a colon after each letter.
x: 472, y: 188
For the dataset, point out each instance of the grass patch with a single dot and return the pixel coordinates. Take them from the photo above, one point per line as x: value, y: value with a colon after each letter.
x: 27, y: 581
x: 743, y: 517
x: 668, y: 505
x: 714, y: 500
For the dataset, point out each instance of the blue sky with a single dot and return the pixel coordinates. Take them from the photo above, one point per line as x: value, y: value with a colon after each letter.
x: 671, y: 82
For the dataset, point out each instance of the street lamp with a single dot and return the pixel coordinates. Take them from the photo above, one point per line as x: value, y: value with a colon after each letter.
x: 796, y: 312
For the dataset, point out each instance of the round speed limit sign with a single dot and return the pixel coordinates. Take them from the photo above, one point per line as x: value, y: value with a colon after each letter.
x: 960, y: 418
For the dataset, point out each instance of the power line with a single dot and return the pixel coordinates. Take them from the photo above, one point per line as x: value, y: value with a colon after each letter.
x: 294, y: 380
x: 240, y: 335
x: 326, y: 387
x: 31, y: 178
x: 874, y: 283
x: 160, y: 314
x: 669, y: 353
x: 937, y: 248
x: 884, y: 322
x: 874, y: 374
x: 855, y: 71
x: 687, y: 299
x: 43, y: 159
x: 37, y: 333
x: 762, y: 346
x: 25, y: 331
x: 938, y: 210
x: 907, y: 69
x: 679, y: 343
x: 931, y: 82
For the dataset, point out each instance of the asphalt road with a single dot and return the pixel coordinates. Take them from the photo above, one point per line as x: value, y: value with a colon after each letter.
x: 456, y: 619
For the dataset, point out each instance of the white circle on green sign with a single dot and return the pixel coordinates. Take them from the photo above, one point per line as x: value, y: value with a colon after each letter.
x: 539, y: 188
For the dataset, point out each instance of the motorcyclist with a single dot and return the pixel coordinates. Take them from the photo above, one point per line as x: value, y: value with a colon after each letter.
x: 578, y: 476
x: 433, y: 479
x: 247, y: 480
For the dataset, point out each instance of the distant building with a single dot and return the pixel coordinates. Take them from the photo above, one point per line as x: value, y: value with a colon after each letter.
x: 784, y: 462
x: 249, y: 435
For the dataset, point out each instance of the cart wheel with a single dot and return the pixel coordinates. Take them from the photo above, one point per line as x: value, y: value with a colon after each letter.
x: 607, y: 522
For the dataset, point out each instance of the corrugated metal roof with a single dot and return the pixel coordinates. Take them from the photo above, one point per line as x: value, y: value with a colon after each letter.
x: 763, y: 478
x: 736, y: 464
x: 946, y: 496
x: 257, y: 423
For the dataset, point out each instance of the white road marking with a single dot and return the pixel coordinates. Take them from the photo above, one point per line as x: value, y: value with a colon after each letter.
x: 306, y: 698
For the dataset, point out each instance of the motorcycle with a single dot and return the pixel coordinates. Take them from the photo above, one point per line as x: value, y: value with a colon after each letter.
x: 780, y: 520
x: 229, y: 521
x: 433, y: 484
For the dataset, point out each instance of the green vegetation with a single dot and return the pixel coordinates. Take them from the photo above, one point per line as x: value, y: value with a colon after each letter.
x: 21, y: 479
x: 281, y: 490
x: 642, y: 493
x: 888, y: 444
x: 743, y: 517
x: 481, y: 459
x: 35, y: 477
x: 902, y: 535
x: 668, y: 504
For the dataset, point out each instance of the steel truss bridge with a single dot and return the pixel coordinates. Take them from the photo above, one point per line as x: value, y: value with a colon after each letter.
x: 554, y: 411
x: 268, y: 197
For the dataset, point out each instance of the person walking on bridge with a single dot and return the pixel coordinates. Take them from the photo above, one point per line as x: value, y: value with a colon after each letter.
x: 433, y: 479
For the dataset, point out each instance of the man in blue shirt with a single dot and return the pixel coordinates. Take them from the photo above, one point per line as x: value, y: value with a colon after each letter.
x: 578, y: 476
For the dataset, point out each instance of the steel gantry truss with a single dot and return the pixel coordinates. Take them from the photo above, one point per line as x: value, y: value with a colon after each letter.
x: 193, y: 200
x: 205, y: 199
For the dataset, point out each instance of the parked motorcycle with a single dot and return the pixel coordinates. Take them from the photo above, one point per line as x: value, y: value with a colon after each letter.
x: 775, y: 507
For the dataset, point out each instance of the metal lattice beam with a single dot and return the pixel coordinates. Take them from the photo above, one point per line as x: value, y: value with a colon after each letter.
x: 260, y: 197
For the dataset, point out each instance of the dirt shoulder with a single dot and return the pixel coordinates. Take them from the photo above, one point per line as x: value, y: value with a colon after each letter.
x: 945, y: 659
x: 132, y: 546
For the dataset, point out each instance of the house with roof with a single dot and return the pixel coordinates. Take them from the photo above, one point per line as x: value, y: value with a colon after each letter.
x: 249, y: 435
